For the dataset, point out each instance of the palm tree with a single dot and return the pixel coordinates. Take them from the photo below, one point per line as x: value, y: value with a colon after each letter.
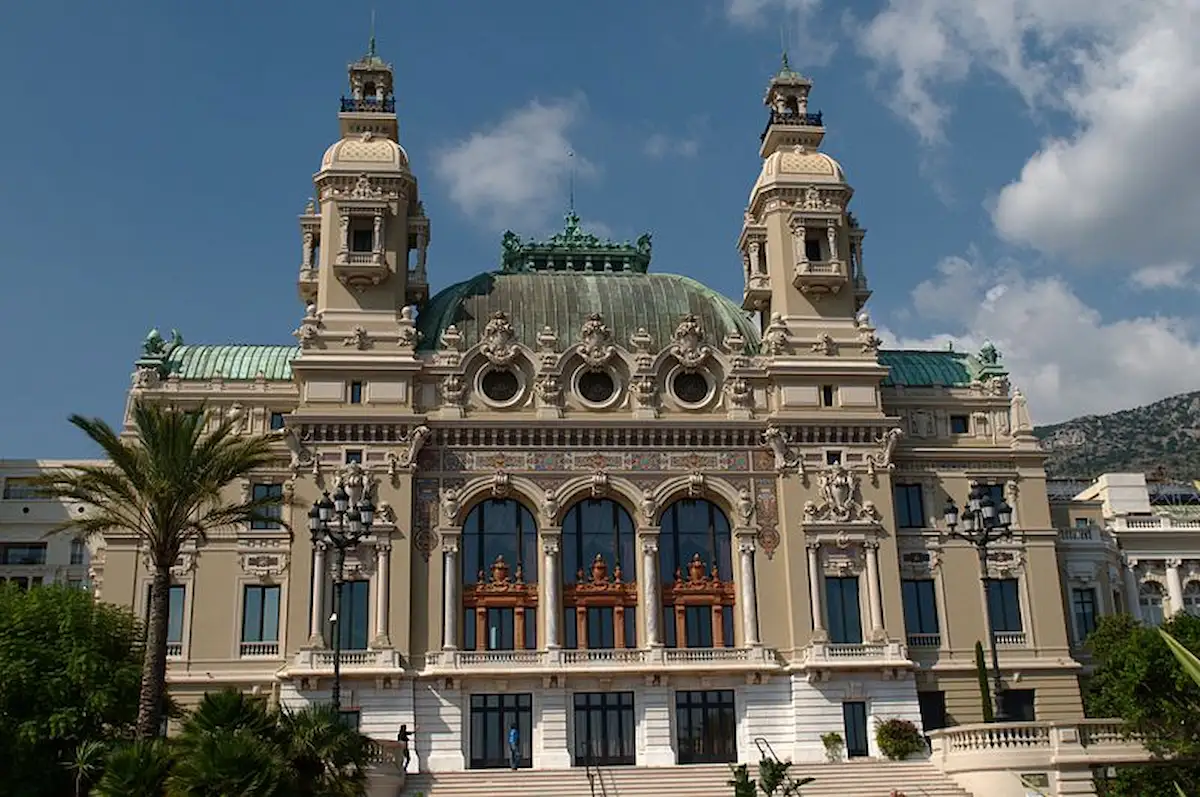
x: 140, y: 767
x: 163, y: 484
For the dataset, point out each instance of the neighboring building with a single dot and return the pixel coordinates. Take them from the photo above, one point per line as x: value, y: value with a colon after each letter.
x: 1126, y: 545
x: 30, y: 553
x: 637, y: 519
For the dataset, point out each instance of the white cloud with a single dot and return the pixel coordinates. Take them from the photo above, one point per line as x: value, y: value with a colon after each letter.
x: 1067, y: 359
x: 1166, y: 275
x: 808, y: 45
x: 514, y: 174
x: 1123, y: 183
x: 660, y: 145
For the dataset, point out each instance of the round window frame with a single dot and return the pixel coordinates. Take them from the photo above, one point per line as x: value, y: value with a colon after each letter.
x: 517, y: 398
x: 597, y: 405
x: 704, y: 374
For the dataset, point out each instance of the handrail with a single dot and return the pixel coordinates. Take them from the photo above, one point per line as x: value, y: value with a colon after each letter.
x: 593, y: 772
x: 764, y: 748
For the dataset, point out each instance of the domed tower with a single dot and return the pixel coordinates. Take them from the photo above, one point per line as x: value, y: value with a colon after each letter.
x: 801, y: 247
x: 364, y: 243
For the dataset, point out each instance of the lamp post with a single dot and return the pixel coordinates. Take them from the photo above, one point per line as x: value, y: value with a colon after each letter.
x: 982, y: 524
x: 338, y: 523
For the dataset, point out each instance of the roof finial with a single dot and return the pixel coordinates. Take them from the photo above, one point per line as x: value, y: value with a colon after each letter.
x: 371, y: 44
x: 571, y: 185
x: 783, y: 49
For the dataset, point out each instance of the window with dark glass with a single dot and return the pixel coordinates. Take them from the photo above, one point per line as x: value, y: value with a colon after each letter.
x: 826, y: 395
x: 920, y: 606
x: 23, y: 553
x: 1004, y: 605
x: 260, y: 613
x: 933, y: 710
x: 499, y: 576
x: 833, y: 457
x: 696, y: 567
x: 353, y: 615
x: 706, y: 727
x: 910, y: 506
x: 854, y: 720
x: 263, y: 491
x: 596, y: 387
x: 959, y: 424
x: 845, y: 613
x: 78, y: 548
x: 605, y: 732
x: 1083, y: 606
x: 362, y: 236
x: 812, y: 249
x: 356, y: 392
x: 996, y: 492
x: 1020, y: 704
x: 276, y: 421
x: 690, y: 387
x: 354, y: 455
x: 500, y: 385
x: 599, y: 575
x: 492, y: 715
x: 176, y: 598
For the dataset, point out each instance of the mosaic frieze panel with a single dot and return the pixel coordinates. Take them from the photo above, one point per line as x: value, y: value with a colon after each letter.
x: 454, y: 461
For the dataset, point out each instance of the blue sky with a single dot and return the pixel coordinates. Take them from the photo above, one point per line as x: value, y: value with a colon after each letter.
x: 1025, y: 170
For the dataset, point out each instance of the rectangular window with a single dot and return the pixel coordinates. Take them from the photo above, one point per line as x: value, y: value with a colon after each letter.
x: 362, y: 237
x: 601, y: 630
x: 845, y: 616
x: 706, y: 727
x: 996, y: 491
x: 933, y: 710
x: 77, y: 550
x: 812, y: 249
x: 260, y: 492
x: 23, y: 553
x: 1020, y: 705
x: 1082, y: 523
x: 854, y: 718
x: 959, y: 424
x: 352, y: 621
x: 18, y: 489
x: 826, y: 395
x: 276, y: 421
x: 910, y: 506
x: 697, y: 623
x: 260, y: 613
x: 356, y: 392
x: 1083, y: 605
x: 176, y: 598
x: 351, y: 718
x: 354, y: 455
x: 1004, y: 605
x: 920, y: 606
x: 833, y: 457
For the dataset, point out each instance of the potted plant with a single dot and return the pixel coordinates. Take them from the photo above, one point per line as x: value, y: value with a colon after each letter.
x: 834, y: 745
x: 899, y: 739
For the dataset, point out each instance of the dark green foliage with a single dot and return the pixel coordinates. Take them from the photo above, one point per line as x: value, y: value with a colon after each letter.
x: 1138, y: 678
x: 1140, y: 440
x: 985, y: 694
x: 773, y: 779
x: 898, y: 739
x: 139, y: 767
x: 69, y: 672
x: 743, y: 785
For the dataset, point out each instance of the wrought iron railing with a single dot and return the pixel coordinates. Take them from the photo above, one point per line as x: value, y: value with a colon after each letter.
x: 353, y: 105
x: 797, y: 119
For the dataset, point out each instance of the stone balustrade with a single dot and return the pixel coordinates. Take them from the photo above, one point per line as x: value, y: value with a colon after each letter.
x: 621, y: 659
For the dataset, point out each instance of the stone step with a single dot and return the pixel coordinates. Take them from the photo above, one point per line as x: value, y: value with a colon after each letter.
x: 857, y: 779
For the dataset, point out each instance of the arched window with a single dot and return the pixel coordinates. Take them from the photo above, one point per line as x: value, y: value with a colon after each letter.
x: 1151, y: 597
x: 696, y: 566
x: 1191, y: 598
x: 599, y: 576
x: 499, y: 574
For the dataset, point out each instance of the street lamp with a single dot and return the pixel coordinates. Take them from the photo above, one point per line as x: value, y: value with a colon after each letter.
x: 982, y: 524
x: 334, y: 521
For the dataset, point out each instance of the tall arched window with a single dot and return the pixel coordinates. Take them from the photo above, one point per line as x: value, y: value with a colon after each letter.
x: 599, y: 576
x: 696, y: 565
x: 1151, y: 598
x: 499, y: 575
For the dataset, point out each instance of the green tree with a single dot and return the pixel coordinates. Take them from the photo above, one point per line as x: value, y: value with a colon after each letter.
x: 1139, y: 679
x: 69, y: 673
x: 985, y: 692
x: 163, y: 483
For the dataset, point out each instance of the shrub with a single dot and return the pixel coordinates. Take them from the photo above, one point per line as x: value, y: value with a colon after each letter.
x: 898, y: 739
x: 834, y: 744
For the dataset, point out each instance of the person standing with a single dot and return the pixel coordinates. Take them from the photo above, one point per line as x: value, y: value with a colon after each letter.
x: 514, y: 746
x: 402, y: 753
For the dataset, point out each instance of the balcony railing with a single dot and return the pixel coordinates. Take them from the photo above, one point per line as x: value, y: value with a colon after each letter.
x: 371, y: 105
x: 1010, y: 639
x: 1153, y: 523
x: 321, y: 660
x: 925, y: 641
x: 259, y: 649
x: 869, y: 654
x: 602, y: 658
x: 1078, y: 533
x: 174, y: 649
x: 797, y: 119
x: 979, y: 748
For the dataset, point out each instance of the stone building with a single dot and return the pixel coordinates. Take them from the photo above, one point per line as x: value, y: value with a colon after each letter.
x: 31, y: 555
x: 646, y: 523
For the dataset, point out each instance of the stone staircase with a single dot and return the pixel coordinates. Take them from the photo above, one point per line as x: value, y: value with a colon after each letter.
x: 851, y: 779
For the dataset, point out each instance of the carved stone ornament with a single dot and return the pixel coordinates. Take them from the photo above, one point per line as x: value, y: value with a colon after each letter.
x: 451, y: 503
x: 310, y: 326
x: 450, y: 346
x: 868, y: 342
x: 413, y: 442
x: 882, y: 459
x: 453, y: 390
x: 547, y: 389
x: 300, y: 453
x: 364, y: 190
x: 689, y: 346
x: 236, y: 416
x: 358, y: 339
x: 745, y: 506
x: 642, y: 343
x: 184, y: 563
x: 356, y: 481
x: 599, y: 487
x: 785, y: 458
x: 550, y: 506
x: 645, y: 390
x: 499, y: 340
x: 825, y: 344
x: 648, y: 507
x: 547, y: 341
x: 740, y: 393
x: 265, y: 565
x: 385, y: 513
x: 776, y: 337
x: 407, y: 336
x: 838, y: 490
x: 501, y: 484
x: 146, y: 377
x: 595, y: 346
x: 695, y: 484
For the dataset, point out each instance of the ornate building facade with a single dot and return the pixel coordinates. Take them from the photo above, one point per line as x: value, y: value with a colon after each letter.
x: 645, y: 523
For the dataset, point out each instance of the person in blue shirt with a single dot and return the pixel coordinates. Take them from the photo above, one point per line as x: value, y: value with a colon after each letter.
x: 514, y: 746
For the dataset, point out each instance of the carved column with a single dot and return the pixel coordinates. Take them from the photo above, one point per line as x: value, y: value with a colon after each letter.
x: 801, y: 254
x: 306, y: 251
x: 377, y: 234
x: 383, y: 572
x: 814, y: 590
x: 551, y: 582
x: 422, y: 244
x: 831, y: 231
x: 1133, y: 590
x: 315, y: 620
x: 1174, y: 586
x: 450, y: 599
x: 873, y: 598
x: 748, y: 592
x: 651, y: 600
x: 344, y: 234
